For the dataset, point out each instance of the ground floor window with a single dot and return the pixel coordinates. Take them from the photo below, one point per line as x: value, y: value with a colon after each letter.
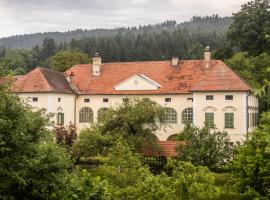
x: 229, y: 120
x: 187, y: 115
x: 60, y: 118
x: 170, y: 116
x: 209, y: 119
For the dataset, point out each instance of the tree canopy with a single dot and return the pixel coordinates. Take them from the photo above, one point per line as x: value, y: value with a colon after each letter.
x: 250, y: 30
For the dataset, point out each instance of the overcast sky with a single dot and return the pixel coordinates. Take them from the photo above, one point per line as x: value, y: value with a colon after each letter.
x: 28, y: 16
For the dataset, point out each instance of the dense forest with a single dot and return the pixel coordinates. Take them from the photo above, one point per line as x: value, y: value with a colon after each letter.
x: 207, y: 24
x: 154, y: 42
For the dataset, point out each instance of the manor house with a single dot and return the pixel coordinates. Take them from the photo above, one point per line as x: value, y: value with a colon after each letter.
x: 197, y: 91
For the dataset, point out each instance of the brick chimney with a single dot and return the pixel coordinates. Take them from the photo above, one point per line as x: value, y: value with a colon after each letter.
x: 207, y: 54
x: 175, y: 61
x: 96, y: 64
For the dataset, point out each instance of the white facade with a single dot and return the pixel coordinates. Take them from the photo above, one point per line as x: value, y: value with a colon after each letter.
x: 243, y: 106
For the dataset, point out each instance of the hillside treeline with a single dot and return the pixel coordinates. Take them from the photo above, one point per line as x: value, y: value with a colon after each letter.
x: 196, y: 23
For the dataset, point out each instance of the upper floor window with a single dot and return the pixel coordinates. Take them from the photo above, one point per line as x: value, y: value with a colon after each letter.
x: 209, y: 119
x: 187, y: 115
x: 190, y: 99
x: 229, y: 120
x: 59, y: 99
x: 86, y: 100
x: 105, y: 100
x: 170, y: 116
x: 209, y: 97
x: 86, y: 115
x: 228, y: 97
x: 168, y: 100
x: 35, y: 99
x: 60, y: 118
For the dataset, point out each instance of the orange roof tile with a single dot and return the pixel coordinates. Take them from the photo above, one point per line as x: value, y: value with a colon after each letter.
x: 190, y: 75
x: 42, y: 80
x: 173, y: 80
x: 163, y: 148
x: 221, y: 78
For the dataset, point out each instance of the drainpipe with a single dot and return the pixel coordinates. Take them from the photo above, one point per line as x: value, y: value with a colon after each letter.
x: 247, y: 116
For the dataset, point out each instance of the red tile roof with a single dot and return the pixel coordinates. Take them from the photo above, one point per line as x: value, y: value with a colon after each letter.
x: 42, y: 80
x: 161, y: 148
x: 221, y: 78
x: 190, y: 75
x: 173, y: 80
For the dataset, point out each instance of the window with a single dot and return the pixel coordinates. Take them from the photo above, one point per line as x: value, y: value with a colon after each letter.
x: 229, y: 120
x: 228, y: 97
x: 168, y: 100
x: 86, y: 115
x: 35, y: 99
x: 146, y: 99
x: 170, y: 116
x: 102, y: 112
x: 190, y: 99
x: 59, y: 99
x: 209, y: 97
x: 86, y: 100
x: 60, y: 118
x: 209, y: 120
x: 105, y: 100
x: 187, y: 115
x: 125, y: 100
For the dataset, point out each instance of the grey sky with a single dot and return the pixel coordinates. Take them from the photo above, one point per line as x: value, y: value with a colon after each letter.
x: 29, y: 16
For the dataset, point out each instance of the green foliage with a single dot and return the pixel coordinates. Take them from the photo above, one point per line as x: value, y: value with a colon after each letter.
x: 256, y: 71
x: 251, y: 163
x: 204, y: 146
x: 81, y: 185
x: 129, y: 179
x: 31, y: 164
x: 250, y: 30
x: 63, y: 60
x: 91, y: 143
x: 17, y: 61
x: 136, y: 119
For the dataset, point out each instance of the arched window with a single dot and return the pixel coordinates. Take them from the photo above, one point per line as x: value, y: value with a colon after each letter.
x: 170, y: 116
x: 102, y: 113
x: 187, y: 115
x: 86, y: 115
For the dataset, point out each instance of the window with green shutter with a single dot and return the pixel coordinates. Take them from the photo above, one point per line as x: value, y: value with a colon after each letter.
x: 229, y: 120
x: 209, y: 120
x: 60, y: 118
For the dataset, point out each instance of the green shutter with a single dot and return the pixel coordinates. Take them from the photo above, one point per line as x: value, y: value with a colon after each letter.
x: 209, y: 120
x: 62, y: 118
x: 229, y: 120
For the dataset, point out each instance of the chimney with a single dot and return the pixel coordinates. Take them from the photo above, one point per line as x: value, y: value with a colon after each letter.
x: 175, y: 61
x: 97, y: 64
x: 207, y: 54
x: 70, y: 76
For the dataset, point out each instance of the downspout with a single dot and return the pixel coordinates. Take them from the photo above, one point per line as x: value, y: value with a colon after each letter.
x: 247, y: 117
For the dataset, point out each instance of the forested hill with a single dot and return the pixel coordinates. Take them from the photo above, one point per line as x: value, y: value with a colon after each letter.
x: 196, y: 24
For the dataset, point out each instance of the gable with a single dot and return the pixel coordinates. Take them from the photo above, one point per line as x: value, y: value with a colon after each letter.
x: 137, y: 82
